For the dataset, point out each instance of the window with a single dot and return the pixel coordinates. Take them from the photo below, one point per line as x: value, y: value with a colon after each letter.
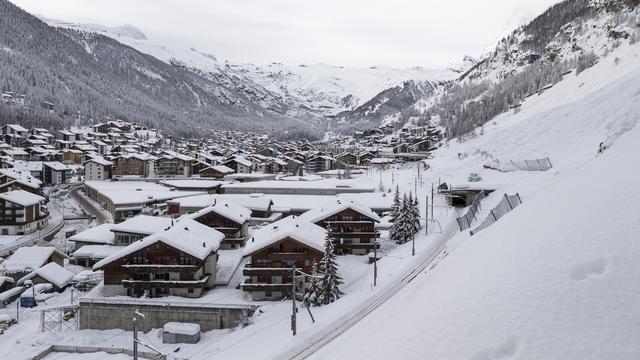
x: 267, y: 293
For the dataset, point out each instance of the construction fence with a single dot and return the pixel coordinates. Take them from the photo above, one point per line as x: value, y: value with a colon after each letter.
x: 524, y: 165
x: 464, y: 222
x: 508, y: 203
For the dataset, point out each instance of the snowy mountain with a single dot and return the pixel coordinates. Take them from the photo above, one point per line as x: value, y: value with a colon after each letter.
x: 315, y: 89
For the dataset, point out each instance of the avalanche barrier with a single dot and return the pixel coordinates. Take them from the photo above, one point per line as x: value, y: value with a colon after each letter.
x: 524, y: 165
x: 508, y: 203
x: 464, y: 222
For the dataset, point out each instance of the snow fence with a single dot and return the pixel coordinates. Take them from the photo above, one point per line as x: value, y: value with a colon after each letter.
x: 524, y: 165
x: 464, y: 222
x: 508, y: 203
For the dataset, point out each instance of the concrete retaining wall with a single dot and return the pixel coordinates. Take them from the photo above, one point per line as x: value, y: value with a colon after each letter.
x: 103, y: 315
x: 93, y: 349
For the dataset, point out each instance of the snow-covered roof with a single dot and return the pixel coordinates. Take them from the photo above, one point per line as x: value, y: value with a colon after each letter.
x: 21, y: 197
x: 22, y: 175
x: 292, y: 227
x: 222, y: 169
x: 100, y: 234
x: 96, y: 252
x: 241, y: 160
x: 16, y: 127
x: 321, y: 213
x: 143, y: 224
x: 230, y: 210
x: 100, y: 160
x: 56, y: 165
x: 29, y: 258
x: 53, y: 273
x: 254, y: 202
x: 188, y: 236
x: 192, y: 183
x: 136, y: 192
x: 181, y: 328
x: 6, y: 279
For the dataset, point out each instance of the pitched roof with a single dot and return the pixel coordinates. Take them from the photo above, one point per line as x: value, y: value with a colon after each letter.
x: 29, y: 258
x: 53, y: 273
x: 292, y: 227
x: 143, y: 224
x: 21, y: 197
x: 230, y: 210
x: 324, y: 212
x: 100, y: 234
x: 188, y: 236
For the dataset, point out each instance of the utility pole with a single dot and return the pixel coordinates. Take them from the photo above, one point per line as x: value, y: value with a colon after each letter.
x: 293, y: 298
x: 375, y: 262
x: 413, y: 245
x: 135, y: 337
x: 431, y: 201
x: 426, y: 216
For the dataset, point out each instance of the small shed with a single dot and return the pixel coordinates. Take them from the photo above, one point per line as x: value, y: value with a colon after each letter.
x: 51, y: 273
x: 180, y: 333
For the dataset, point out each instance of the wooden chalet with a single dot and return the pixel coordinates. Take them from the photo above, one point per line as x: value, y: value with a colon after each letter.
x: 271, y: 253
x: 349, y: 224
x: 179, y: 261
x: 227, y: 217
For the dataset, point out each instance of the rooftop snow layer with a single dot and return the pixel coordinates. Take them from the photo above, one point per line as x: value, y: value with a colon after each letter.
x: 28, y: 258
x: 293, y: 227
x: 52, y: 273
x: 186, y: 235
x: 100, y: 234
x: 21, y: 197
x: 230, y: 210
x: 143, y: 224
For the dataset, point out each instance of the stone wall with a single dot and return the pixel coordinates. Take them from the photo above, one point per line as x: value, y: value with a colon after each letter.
x: 103, y: 314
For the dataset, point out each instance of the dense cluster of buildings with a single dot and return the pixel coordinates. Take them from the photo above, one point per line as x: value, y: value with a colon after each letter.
x: 193, y: 214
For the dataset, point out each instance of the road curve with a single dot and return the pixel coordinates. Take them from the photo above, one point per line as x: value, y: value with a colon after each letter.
x: 89, y: 206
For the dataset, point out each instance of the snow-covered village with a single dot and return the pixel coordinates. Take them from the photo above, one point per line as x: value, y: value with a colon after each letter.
x: 159, y: 202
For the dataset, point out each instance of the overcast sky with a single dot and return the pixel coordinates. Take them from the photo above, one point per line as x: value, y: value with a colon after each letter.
x: 397, y: 33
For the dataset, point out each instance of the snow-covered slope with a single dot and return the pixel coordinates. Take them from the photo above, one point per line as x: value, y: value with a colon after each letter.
x: 556, y: 277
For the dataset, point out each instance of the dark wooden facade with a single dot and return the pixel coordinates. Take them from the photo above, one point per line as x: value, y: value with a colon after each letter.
x: 268, y: 273
x: 159, y: 270
x: 353, y: 232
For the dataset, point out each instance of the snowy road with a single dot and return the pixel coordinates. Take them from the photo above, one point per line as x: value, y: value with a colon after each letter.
x: 324, y: 337
x: 87, y: 205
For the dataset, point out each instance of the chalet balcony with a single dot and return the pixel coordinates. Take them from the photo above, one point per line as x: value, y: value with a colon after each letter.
x: 251, y: 270
x: 158, y: 268
x: 248, y: 285
x: 234, y: 240
x: 291, y: 256
x: 359, y: 234
x: 166, y: 284
x: 370, y: 246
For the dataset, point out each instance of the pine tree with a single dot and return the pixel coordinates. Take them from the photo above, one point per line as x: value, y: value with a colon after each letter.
x: 403, y: 229
x: 395, y: 208
x: 415, y: 212
x: 328, y: 284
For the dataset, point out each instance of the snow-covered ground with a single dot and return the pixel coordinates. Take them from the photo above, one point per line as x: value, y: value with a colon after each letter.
x: 555, y: 278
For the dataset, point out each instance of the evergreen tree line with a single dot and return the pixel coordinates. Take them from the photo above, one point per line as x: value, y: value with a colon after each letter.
x: 405, y: 218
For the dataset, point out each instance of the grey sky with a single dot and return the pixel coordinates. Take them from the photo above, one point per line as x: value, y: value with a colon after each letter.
x: 399, y: 33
